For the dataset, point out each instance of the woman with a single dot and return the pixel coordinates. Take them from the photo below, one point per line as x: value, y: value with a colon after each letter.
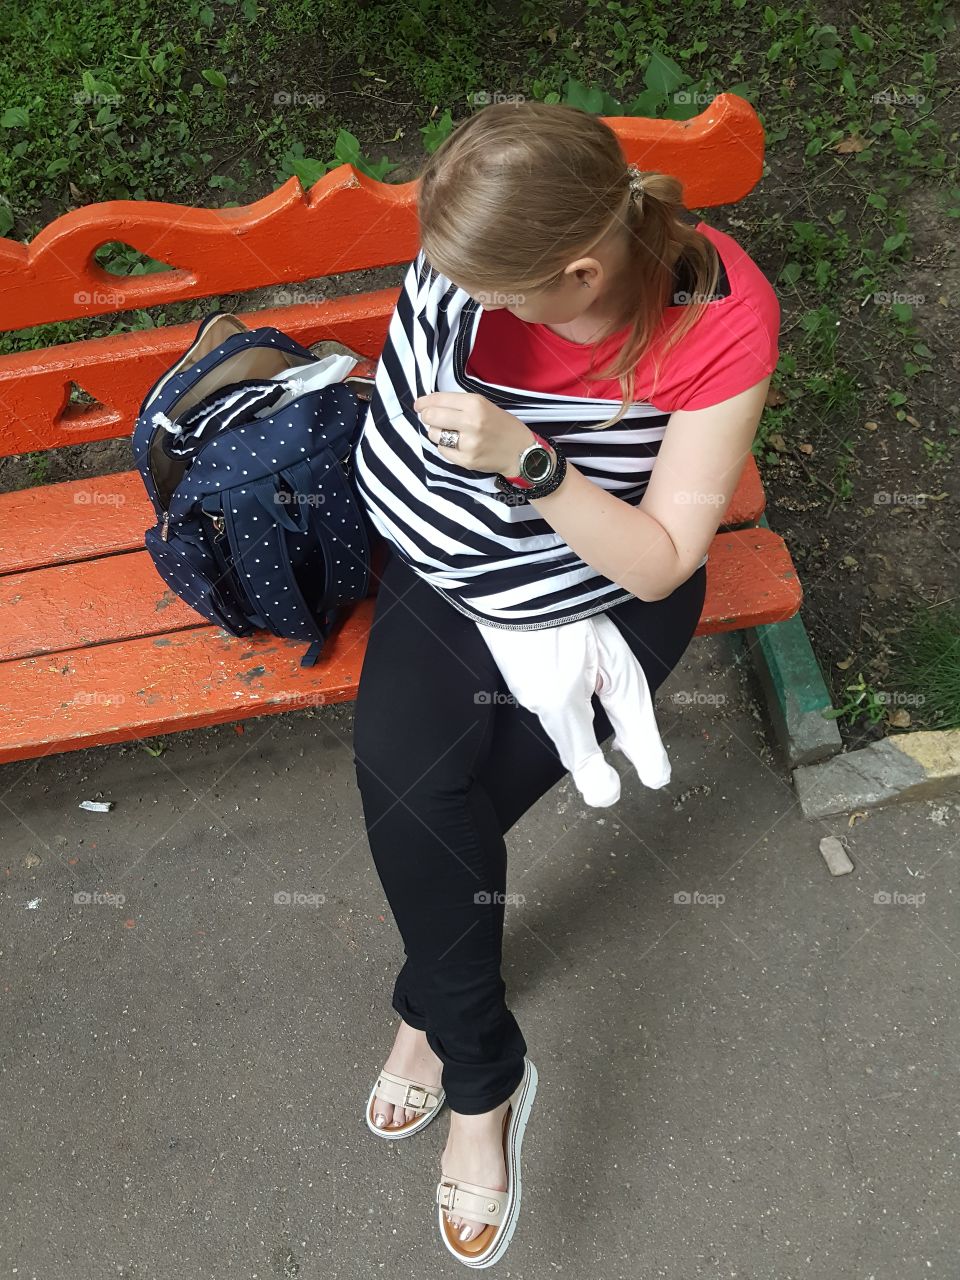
x: 564, y: 301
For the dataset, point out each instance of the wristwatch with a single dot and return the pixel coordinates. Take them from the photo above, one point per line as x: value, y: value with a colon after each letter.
x: 539, y: 464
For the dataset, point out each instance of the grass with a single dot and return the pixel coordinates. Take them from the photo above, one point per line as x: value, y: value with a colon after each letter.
x: 927, y: 666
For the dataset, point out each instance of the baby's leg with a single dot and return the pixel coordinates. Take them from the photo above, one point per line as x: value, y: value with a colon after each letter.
x: 553, y: 673
x: 626, y: 698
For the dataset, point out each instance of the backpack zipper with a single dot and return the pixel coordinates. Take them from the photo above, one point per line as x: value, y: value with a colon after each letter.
x: 230, y: 574
x: 165, y: 528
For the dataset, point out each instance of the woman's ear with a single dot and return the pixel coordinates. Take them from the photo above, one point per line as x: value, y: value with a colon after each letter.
x: 585, y: 271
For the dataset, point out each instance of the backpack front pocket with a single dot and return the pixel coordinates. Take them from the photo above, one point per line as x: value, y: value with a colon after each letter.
x: 191, y: 571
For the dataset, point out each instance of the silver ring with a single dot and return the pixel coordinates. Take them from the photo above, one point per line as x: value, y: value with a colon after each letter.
x: 449, y: 439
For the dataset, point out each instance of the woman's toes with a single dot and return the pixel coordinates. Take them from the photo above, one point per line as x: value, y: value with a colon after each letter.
x: 464, y: 1229
x: 382, y: 1113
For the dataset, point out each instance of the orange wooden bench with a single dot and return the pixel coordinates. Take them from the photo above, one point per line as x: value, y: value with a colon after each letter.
x: 94, y: 647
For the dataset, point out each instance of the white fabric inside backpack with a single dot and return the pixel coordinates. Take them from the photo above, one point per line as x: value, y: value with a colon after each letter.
x: 311, y: 377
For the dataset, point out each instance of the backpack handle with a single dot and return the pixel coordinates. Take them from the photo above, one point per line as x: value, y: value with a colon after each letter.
x: 268, y: 494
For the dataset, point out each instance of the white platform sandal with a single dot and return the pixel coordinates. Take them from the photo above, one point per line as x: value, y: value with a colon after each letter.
x: 410, y: 1094
x: 499, y: 1209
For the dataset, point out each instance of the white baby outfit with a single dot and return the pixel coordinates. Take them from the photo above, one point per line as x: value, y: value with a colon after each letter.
x: 554, y: 672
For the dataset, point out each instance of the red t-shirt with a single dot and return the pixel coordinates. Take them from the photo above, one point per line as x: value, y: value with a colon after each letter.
x: 731, y: 347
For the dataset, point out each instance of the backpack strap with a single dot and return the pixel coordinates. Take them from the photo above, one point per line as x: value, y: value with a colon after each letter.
x: 280, y: 601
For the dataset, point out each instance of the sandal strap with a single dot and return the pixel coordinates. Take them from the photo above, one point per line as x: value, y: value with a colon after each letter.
x: 410, y: 1094
x: 472, y: 1201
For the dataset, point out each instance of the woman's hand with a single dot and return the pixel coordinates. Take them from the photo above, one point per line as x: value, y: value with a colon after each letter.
x: 490, y: 438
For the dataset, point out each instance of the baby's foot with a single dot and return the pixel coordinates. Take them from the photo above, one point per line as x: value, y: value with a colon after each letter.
x: 651, y: 762
x: 598, y: 782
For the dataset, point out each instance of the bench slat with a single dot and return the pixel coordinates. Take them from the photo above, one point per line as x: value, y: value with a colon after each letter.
x: 140, y: 688
x: 93, y: 602
x: 83, y: 519
x: 118, y: 371
x: 189, y: 679
x: 73, y: 520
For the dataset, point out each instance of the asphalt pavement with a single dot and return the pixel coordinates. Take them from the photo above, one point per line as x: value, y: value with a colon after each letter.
x: 747, y: 1066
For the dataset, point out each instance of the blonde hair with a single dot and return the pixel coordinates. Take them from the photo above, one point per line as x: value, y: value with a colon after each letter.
x: 520, y: 189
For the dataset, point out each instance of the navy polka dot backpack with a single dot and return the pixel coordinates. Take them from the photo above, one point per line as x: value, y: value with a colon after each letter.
x: 249, y: 468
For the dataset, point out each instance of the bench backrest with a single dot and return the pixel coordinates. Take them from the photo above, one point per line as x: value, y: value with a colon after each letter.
x: 344, y: 222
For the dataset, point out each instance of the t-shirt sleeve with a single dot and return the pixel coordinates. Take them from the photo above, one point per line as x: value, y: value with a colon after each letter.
x: 735, y: 349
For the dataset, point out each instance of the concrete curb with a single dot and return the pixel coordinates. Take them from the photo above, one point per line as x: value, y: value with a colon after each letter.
x: 909, y: 766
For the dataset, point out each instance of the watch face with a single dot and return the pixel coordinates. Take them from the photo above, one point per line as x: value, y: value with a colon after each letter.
x: 537, y: 464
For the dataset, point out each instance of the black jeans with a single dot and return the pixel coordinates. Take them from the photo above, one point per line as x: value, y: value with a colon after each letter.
x: 446, y: 763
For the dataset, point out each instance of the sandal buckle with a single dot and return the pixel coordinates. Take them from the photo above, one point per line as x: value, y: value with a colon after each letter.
x: 408, y: 1101
x: 446, y: 1190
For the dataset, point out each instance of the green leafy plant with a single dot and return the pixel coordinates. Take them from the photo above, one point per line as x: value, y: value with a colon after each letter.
x: 859, y: 700
x: 346, y: 151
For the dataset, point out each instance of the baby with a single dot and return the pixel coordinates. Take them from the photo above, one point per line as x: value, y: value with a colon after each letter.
x: 554, y: 672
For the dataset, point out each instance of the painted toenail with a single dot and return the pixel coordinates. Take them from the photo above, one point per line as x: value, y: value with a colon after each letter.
x: 466, y: 1233
x: 380, y: 1120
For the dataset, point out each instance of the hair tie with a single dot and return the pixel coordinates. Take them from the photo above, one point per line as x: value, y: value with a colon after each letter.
x: 636, y: 183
